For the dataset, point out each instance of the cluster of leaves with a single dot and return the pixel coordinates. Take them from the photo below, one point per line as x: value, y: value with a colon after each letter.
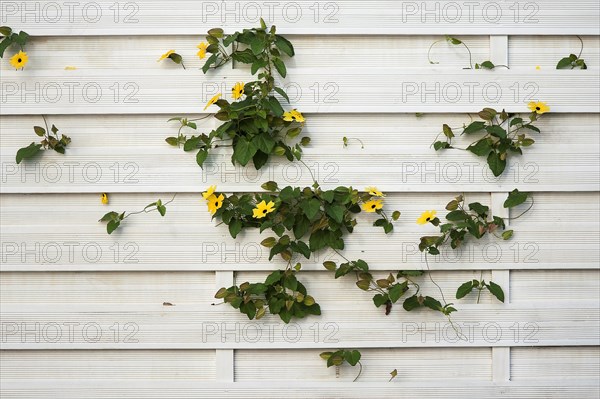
x: 456, y: 42
x: 50, y: 140
x: 321, y: 215
x: 113, y: 219
x: 467, y: 287
x: 281, y: 293
x: 256, y: 125
x: 9, y: 38
x: 503, y: 136
x: 473, y: 221
x: 390, y: 289
x: 341, y: 356
x: 573, y: 61
x: 304, y: 220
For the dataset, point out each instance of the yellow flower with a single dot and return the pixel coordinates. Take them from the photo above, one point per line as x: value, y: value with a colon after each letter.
x: 538, y: 107
x: 426, y: 217
x: 213, y: 100
x: 215, y: 203
x: 104, y: 198
x: 372, y: 206
x: 202, y: 50
x: 210, y: 191
x: 166, y: 55
x: 19, y: 60
x: 374, y: 192
x: 237, y: 91
x: 262, y: 209
x: 537, y: 68
x: 293, y: 116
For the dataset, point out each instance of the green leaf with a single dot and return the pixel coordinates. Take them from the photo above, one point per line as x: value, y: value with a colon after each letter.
x: 396, y: 291
x: 4, y: 44
x: 282, y: 93
x: 487, y: 114
x: 515, y: 198
x: 284, y: 45
x: 201, y: 157
x: 28, y: 152
x: 440, y: 145
x: 244, y: 151
x: 411, y: 303
x: 432, y: 303
x: 336, y: 212
x: 496, y: 290
x: 457, y: 215
x: 464, y: 289
x: 496, y: 131
x: 5, y: 31
x: 329, y: 265
x: 453, y: 40
x: 216, y: 32
x: 40, y: 131
x: 380, y: 299
x: 235, y: 227
x: 269, y: 186
x: 506, y: 235
x: 478, y: 208
x: 112, y: 226
x: 487, y: 65
x: 474, y: 127
x: 564, y: 63
x: 257, y: 45
x: 311, y: 208
x: 447, y: 131
x: 496, y: 164
x: 273, y: 277
x: 280, y: 66
x: 264, y: 142
x: 481, y: 147
x: 352, y: 357
x: 211, y: 60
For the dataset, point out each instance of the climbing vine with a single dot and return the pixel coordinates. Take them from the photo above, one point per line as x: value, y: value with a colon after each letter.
x: 503, y: 135
x: 255, y: 124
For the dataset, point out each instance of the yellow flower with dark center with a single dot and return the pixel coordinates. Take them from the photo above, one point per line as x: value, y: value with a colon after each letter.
x: 372, y: 206
x: 166, y: 55
x: 215, y: 203
x: 538, y: 107
x: 374, y: 192
x: 210, y: 191
x: 293, y: 116
x: 262, y: 209
x: 213, y: 100
x: 202, y: 50
x: 426, y: 217
x: 237, y: 91
x: 104, y: 198
x: 19, y: 60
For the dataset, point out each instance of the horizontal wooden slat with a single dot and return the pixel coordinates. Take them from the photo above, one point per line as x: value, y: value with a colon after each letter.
x: 548, y: 285
x: 349, y: 319
x: 70, y: 238
x: 142, y: 52
x: 546, y: 51
x: 104, y: 17
x: 129, y: 365
x: 413, y: 364
x: 561, y: 364
x: 542, y: 388
x: 341, y: 90
x: 129, y: 154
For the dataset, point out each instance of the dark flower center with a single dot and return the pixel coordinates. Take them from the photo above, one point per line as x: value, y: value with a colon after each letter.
x: 428, y: 219
x: 19, y: 60
x: 373, y: 206
x: 264, y: 211
x: 537, y: 108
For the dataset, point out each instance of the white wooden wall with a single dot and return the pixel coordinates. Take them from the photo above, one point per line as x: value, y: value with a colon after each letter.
x: 84, y: 314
